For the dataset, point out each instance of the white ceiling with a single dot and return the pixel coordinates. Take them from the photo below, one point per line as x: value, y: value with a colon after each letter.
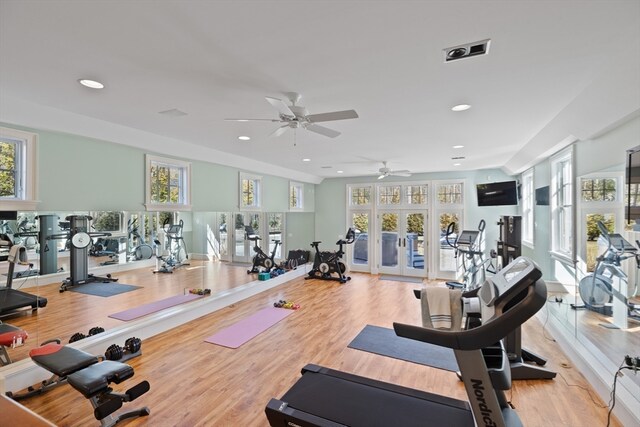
x: 556, y: 71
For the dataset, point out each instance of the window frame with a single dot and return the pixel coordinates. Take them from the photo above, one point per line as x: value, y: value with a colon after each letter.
x: 298, y: 188
x: 563, y: 204
x: 26, y: 198
x: 257, y: 205
x: 185, y: 186
x: 528, y: 207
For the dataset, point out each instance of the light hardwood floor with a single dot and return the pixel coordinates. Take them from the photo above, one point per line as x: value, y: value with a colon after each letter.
x: 194, y: 383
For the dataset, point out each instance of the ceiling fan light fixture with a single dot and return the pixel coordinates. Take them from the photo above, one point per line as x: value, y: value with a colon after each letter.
x: 244, y: 138
x: 93, y: 84
x: 460, y: 107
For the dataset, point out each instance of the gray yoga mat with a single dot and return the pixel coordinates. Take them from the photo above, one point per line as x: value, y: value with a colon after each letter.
x: 100, y: 289
x: 385, y: 342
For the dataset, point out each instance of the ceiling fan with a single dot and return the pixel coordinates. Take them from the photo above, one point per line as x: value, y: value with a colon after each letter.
x: 385, y: 172
x: 295, y: 116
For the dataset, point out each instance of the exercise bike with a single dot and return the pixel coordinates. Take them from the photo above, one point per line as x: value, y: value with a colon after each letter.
x: 596, y: 289
x: 468, y: 249
x: 325, y: 264
x: 260, y: 259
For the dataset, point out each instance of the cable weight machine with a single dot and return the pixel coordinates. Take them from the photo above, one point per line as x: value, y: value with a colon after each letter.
x: 80, y: 239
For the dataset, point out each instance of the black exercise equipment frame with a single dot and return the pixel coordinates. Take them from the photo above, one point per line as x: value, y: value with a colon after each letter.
x: 260, y: 259
x: 327, y: 263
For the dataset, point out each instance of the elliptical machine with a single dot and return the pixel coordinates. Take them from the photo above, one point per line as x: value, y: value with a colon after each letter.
x: 260, y: 259
x: 325, y: 264
x: 174, y: 247
x: 468, y: 249
x: 142, y: 250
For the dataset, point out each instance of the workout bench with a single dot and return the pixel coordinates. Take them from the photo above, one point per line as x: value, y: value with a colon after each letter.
x: 91, y: 377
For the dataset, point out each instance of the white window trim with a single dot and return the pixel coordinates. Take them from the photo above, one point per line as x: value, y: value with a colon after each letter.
x: 258, y: 206
x: 528, y: 192
x: 300, y: 194
x: 29, y: 200
x: 372, y: 196
x: 555, y: 160
x: 168, y: 207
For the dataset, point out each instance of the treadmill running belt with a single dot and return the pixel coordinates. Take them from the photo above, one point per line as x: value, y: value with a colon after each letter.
x: 11, y: 299
x: 355, y: 404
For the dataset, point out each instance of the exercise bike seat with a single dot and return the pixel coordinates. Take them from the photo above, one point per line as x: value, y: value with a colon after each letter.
x: 61, y: 360
x: 277, y: 242
x: 96, y: 379
x: 315, y: 243
x: 10, y: 334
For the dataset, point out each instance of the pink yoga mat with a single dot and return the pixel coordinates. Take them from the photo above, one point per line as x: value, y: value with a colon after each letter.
x: 143, y: 310
x: 236, y: 335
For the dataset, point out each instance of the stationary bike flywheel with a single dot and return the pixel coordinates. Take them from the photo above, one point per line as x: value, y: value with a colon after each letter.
x: 595, y: 291
x: 324, y: 268
x: 268, y: 263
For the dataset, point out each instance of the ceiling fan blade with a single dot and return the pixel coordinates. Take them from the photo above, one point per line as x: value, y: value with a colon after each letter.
x: 280, y: 106
x: 252, y: 120
x: 381, y: 176
x: 336, y: 115
x: 279, y: 131
x: 400, y: 173
x: 322, y: 130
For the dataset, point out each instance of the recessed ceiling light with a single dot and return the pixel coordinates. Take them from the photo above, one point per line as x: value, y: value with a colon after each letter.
x: 460, y: 107
x: 306, y: 160
x: 91, y: 83
x: 458, y: 146
x: 339, y: 171
x: 244, y: 138
x: 456, y: 164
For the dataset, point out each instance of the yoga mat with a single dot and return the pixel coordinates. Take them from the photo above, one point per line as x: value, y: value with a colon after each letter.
x: 100, y: 289
x: 385, y: 342
x: 401, y: 278
x: 236, y: 335
x: 143, y: 310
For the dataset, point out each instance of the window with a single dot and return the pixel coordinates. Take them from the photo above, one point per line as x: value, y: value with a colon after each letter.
x: 250, y: 192
x: 598, y: 189
x: 168, y: 184
x: 389, y: 195
x: 296, y: 196
x: 107, y: 221
x: 527, y: 207
x: 360, y: 196
x: 562, y: 203
x: 450, y: 193
x: 417, y: 194
x: 18, y: 169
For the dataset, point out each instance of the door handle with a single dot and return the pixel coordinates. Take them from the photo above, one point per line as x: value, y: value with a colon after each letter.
x: 399, y: 241
x: 404, y: 242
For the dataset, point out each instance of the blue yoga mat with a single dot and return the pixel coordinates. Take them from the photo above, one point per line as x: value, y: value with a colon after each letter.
x: 385, y: 342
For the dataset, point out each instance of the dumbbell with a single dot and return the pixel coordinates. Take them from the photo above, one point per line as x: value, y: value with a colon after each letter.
x: 132, y: 347
x: 80, y: 336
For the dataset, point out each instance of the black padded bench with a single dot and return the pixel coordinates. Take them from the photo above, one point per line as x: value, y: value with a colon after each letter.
x: 91, y: 377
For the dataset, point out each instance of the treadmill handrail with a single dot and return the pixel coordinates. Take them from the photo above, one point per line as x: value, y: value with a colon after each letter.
x: 487, y: 333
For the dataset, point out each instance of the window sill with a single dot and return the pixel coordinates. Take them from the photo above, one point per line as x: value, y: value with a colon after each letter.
x: 528, y: 244
x: 18, y: 205
x: 562, y: 257
x: 162, y: 207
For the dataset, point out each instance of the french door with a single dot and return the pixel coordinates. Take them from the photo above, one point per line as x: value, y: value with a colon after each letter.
x: 401, y: 243
x: 242, y: 248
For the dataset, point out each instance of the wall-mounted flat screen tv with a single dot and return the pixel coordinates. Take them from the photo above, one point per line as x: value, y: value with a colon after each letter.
x: 632, y: 185
x: 497, y: 193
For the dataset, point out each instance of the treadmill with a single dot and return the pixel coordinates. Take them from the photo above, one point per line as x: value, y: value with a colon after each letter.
x: 13, y: 299
x: 326, y: 397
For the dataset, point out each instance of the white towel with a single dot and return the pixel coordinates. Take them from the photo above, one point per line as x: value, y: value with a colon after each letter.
x: 439, y: 307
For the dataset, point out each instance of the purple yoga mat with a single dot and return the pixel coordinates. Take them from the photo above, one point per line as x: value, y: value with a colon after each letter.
x: 237, y: 334
x: 143, y: 310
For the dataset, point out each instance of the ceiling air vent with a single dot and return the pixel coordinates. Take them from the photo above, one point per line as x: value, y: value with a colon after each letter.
x: 466, y: 50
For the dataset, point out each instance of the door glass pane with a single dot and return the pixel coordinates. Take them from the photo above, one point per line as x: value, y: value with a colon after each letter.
x: 275, y: 233
x: 389, y: 195
x: 447, y: 253
x: 222, y: 228
x: 389, y: 240
x: 239, y: 236
x: 594, y: 246
x: 360, y: 222
x: 415, y: 240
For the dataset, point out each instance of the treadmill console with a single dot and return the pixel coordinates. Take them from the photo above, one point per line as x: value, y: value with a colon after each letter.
x: 468, y: 237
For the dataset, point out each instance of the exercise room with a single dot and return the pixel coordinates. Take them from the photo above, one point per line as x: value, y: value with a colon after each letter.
x: 320, y: 213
